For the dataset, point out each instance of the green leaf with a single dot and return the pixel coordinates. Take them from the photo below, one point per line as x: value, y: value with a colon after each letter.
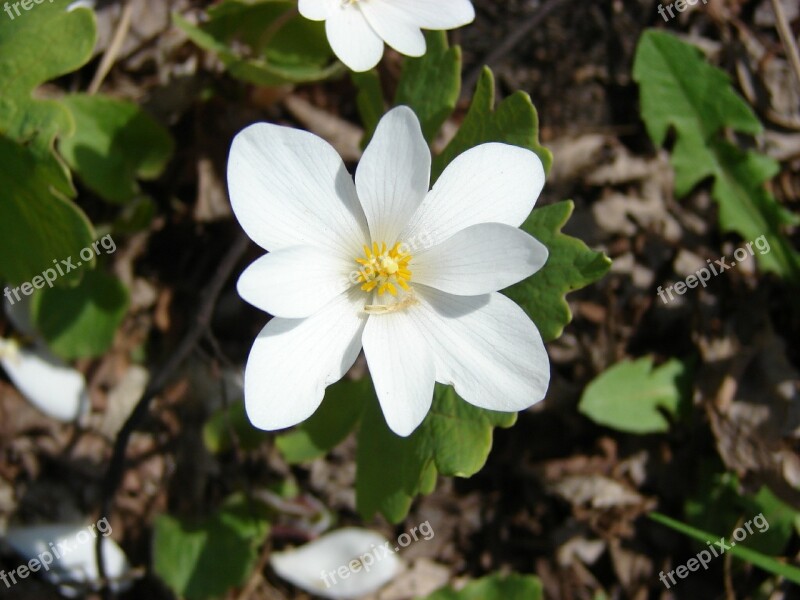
x: 680, y: 91
x: 274, y: 44
x: 205, y: 559
x: 513, y: 122
x: 495, y: 587
x: 717, y: 505
x: 570, y: 266
x: 631, y: 395
x: 37, y: 223
x: 330, y: 425
x: 430, y: 85
x: 114, y: 144
x: 81, y: 321
x: 454, y: 439
x: 37, y: 46
x: 219, y: 430
x: 772, y: 565
x: 781, y: 519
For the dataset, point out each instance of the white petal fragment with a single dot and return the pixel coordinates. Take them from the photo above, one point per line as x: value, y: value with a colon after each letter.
x: 317, y: 10
x: 315, y: 567
x: 290, y: 188
x: 77, y: 567
x: 486, y: 347
x: 402, y: 369
x: 293, y: 360
x: 396, y: 25
x: 393, y: 176
x: 294, y: 282
x: 479, y: 260
x: 353, y: 40
x: 491, y: 183
x: 47, y: 382
x: 436, y: 14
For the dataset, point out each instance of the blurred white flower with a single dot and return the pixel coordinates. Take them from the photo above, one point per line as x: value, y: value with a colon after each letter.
x: 348, y: 563
x: 344, y: 270
x: 46, y: 381
x: 66, y: 556
x: 357, y: 29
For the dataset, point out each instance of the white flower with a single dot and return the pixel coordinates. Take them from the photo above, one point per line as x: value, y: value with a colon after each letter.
x: 357, y: 29
x: 317, y: 567
x: 347, y: 268
x: 46, y: 381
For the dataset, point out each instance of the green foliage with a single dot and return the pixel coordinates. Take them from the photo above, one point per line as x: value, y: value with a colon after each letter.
x: 630, y: 396
x: 114, y: 144
x: 495, y: 587
x: 570, y: 266
x: 741, y: 551
x: 26, y: 61
x: 454, y: 439
x: 205, y: 559
x: 514, y: 121
x: 281, y: 46
x: 431, y: 84
x: 330, y: 425
x: 717, y: 505
x: 81, y: 321
x: 680, y: 90
x: 37, y: 222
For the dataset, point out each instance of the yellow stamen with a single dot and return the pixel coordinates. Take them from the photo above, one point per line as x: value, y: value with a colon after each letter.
x: 385, y: 269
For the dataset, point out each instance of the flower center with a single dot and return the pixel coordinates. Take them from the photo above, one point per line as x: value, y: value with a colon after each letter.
x: 384, y: 270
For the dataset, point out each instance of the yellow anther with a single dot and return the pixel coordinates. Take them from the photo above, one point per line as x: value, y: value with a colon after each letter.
x: 384, y: 269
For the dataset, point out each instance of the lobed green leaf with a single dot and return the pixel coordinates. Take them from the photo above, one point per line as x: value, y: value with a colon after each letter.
x: 631, y: 395
x: 680, y: 91
x: 570, y: 266
x: 454, y: 439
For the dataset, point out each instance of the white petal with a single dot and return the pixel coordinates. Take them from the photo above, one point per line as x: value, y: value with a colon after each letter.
x: 491, y: 183
x: 434, y: 14
x: 486, y: 347
x: 290, y: 188
x: 315, y: 566
x: 47, y: 382
x: 396, y: 25
x: 393, y: 176
x: 480, y: 259
x: 77, y: 566
x: 402, y: 369
x: 295, y: 282
x: 317, y: 10
x: 352, y: 39
x: 293, y: 360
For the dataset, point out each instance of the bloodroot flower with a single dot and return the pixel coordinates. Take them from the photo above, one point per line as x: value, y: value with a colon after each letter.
x: 409, y: 274
x: 357, y: 29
